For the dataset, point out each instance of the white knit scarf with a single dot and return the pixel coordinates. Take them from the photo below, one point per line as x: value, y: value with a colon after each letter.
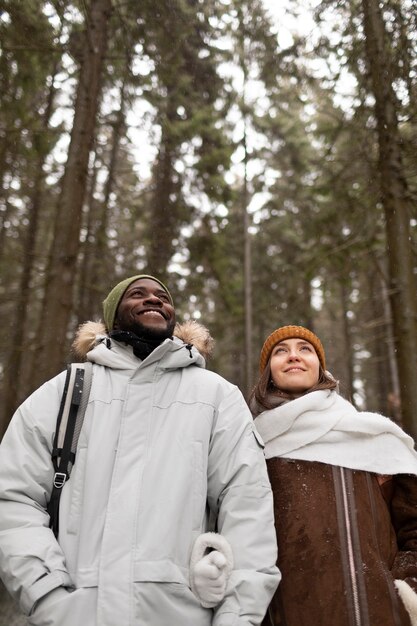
x: 322, y: 426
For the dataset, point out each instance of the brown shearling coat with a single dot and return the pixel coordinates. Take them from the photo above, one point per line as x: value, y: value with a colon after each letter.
x: 343, y: 537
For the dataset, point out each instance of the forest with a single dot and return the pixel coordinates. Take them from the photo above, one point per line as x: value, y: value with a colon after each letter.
x: 262, y: 162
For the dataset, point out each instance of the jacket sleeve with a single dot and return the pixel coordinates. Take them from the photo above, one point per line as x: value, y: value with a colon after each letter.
x: 240, y: 497
x: 31, y: 560
x: 404, y: 519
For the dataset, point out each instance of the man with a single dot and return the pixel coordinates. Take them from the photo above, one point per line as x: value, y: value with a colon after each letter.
x: 167, y: 451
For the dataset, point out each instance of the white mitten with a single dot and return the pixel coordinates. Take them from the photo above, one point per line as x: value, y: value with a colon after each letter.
x: 409, y: 599
x: 210, y: 571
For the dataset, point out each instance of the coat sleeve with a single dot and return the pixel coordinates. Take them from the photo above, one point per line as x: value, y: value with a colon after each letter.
x: 239, y: 495
x: 31, y: 560
x: 404, y: 518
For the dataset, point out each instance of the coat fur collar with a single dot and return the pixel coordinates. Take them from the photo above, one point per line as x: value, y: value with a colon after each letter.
x: 191, y: 332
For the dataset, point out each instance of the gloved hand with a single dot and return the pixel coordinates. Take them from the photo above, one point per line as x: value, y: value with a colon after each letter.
x: 209, y: 572
x: 409, y: 599
x: 209, y: 579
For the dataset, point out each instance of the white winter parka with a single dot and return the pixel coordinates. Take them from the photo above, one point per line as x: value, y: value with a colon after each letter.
x: 167, y: 451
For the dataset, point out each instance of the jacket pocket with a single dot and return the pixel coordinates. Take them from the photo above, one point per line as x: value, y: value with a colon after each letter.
x: 164, y: 571
x: 162, y: 596
x: 73, y: 609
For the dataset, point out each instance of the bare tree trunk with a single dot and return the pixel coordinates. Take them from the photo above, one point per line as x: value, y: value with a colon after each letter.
x: 87, y: 257
x: 9, y: 148
x: 93, y: 279
x: 376, y: 328
x: 394, y: 393
x: 58, y: 301
x: 164, y: 218
x: 347, y: 339
x: 247, y: 276
x: 12, y: 382
x: 9, y: 151
x: 397, y: 207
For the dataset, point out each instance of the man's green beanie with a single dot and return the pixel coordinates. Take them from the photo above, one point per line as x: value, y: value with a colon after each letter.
x: 111, y: 303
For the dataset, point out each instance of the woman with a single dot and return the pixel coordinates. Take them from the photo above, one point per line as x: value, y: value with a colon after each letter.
x: 345, y: 495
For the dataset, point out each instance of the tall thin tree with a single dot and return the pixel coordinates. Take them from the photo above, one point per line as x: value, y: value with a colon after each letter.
x: 58, y: 299
x: 397, y: 206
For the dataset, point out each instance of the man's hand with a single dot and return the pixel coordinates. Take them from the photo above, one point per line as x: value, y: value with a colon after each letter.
x: 211, y: 563
x: 210, y: 579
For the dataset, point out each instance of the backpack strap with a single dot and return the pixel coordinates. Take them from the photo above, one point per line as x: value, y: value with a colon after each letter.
x: 68, y: 427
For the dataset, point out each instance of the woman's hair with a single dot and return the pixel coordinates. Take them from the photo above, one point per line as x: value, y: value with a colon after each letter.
x: 266, y: 395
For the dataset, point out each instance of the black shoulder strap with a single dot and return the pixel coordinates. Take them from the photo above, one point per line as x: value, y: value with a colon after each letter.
x: 68, y: 427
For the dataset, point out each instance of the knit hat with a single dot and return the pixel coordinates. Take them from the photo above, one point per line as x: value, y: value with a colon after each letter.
x: 111, y: 303
x: 290, y: 332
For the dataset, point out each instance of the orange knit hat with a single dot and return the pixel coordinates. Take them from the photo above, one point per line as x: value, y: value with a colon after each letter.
x: 290, y: 332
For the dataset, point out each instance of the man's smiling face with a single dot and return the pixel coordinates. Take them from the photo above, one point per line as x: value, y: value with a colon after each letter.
x: 146, y: 310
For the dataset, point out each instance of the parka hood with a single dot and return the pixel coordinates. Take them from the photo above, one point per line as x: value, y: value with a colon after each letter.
x: 90, y: 334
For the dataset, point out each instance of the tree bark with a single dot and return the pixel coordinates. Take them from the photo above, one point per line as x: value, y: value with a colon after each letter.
x: 58, y: 300
x: 247, y: 274
x: 12, y: 383
x: 164, y: 220
x: 347, y: 339
x: 397, y: 207
x: 99, y: 267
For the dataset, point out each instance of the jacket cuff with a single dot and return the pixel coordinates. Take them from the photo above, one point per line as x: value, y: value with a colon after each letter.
x: 228, y: 619
x: 41, y: 587
x: 409, y: 599
x: 211, y: 541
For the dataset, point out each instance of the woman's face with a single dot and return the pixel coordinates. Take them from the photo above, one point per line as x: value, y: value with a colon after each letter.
x: 294, y: 365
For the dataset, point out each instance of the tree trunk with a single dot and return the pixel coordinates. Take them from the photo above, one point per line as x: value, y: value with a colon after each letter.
x: 9, y: 156
x: 376, y: 327
x: 347, y: 340
x: 96, y: 257
x: 58, y: 301
x: 397, y: 207
x: 164, y: 219
x: 12, y: 382
x: 247, y: 275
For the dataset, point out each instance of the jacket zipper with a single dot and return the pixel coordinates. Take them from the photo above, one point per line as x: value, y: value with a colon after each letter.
x: 351, y: 559
x: 349, y: 536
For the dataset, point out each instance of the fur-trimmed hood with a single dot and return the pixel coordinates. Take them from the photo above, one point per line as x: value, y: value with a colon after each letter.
x: 91, y: 334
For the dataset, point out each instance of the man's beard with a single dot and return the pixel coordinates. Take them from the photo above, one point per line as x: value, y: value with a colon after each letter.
x: 143, y: 340
x: 144, y: 332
